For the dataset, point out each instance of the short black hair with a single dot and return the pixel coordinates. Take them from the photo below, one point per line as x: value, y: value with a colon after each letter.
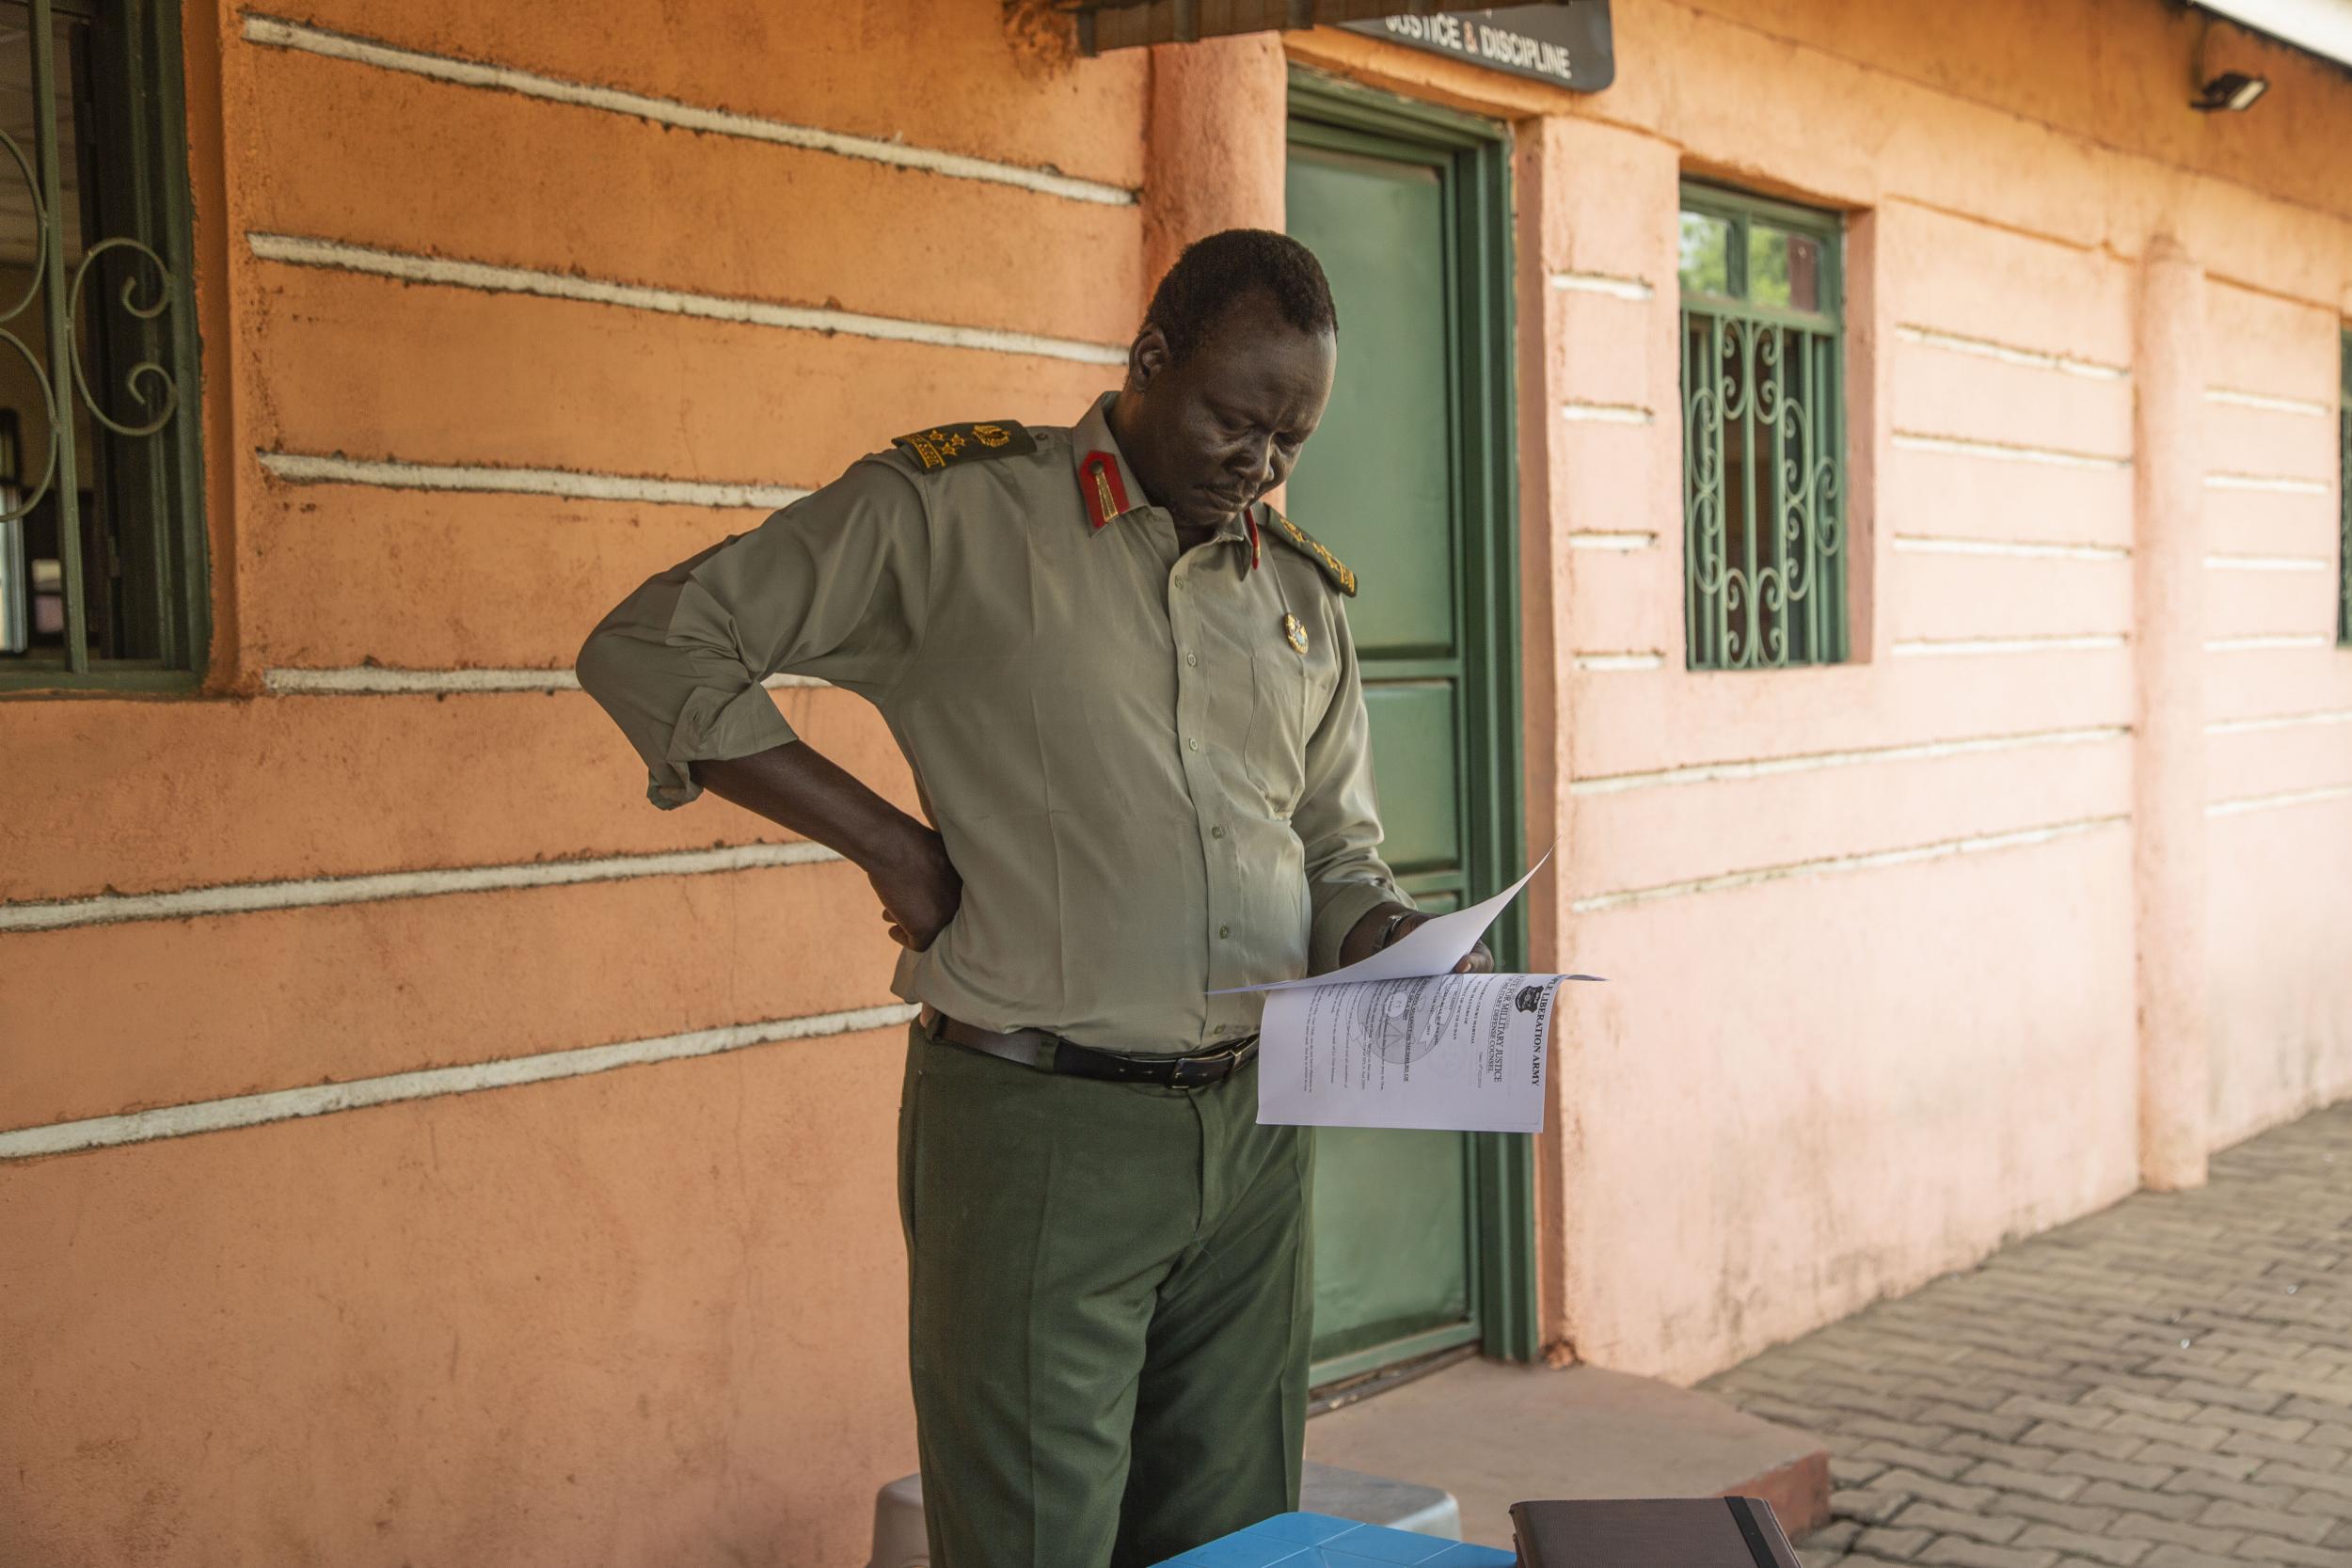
x: 1216, y: 272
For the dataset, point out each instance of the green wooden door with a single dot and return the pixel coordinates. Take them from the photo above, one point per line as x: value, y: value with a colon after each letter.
x: 1398, y: 1226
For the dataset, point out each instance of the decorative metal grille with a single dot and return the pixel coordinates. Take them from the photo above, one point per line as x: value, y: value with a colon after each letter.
x: 1763, y: 434
x: 101, y: 539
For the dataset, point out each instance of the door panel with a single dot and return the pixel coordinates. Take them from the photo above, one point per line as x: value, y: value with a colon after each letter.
x: 1414, y: 725
x: 1379, y: 228
x: 1390, y: 1253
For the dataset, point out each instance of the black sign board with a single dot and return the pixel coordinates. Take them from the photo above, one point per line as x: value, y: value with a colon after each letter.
x: 1567, y: 45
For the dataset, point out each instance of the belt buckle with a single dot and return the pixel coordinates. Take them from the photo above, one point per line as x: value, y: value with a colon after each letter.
x: 1189, y: 1071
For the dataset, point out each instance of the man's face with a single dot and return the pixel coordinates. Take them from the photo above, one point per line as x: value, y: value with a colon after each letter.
x: 1209, y: 437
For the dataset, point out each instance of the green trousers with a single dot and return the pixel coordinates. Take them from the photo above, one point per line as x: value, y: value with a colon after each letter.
x: 1109, y: 1292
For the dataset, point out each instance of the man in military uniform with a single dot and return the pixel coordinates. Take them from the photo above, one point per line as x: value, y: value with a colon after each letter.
x: 1127, y: 693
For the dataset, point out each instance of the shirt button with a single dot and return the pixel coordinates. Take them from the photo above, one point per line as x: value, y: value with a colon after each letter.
x: 1192, y: 658
x: 1192, y: 745
x: 1224, y: 930
x: 1218, y: 831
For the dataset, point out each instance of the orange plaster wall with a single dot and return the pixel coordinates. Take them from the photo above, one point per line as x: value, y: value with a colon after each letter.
x: 612, y: 1320
x: 460, y: 376
x: 232, y: 1005
x: 649, y: 1315
x: 934, y: 73
x: 500, y: 177
x: 2116, y: 73
x: 296, y: 787
x: 347, y: 574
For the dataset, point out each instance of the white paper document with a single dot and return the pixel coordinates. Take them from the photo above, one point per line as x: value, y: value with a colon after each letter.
x: 1400, y: 1041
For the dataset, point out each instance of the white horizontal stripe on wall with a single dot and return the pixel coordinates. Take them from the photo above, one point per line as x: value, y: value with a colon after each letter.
x: 1929, y: 544
x: 374, y: 680
x: 2245, y: 804
x: 1829, y: 865
x: 2265, y: 643
x: 2264, y: 402
x: 300, y: 468
x: 2009, y: 353
x: 1765, y: 768
x: 1605, y: 413
x: 1599, y: 539
x: 1939, y: 647
x: 1603, y: 283
x: 2278, y: 722
x: 297, y: 250
x: 668, y: 111
x: 1635, y: 660
x: 255, y: 1110
x: 2274, y: 484
x: 106, y: 909
x: 2268, y: 564
x: 2003, y: 452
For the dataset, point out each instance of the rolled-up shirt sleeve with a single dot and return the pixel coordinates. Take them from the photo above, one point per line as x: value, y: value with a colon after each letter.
x: 1338, y: 818
x: 834, y: 586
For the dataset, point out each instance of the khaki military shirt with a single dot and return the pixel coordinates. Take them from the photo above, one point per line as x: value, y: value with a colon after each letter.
x: 1150, y: 790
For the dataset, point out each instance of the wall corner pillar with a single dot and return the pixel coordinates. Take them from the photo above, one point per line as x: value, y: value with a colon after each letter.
x: 2168, y: 768
x: 1217, y: 136
x: 1599, y: 323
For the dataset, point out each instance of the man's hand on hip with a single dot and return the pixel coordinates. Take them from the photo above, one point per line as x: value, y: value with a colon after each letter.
x: 919, y: 889
x: 905, y: 859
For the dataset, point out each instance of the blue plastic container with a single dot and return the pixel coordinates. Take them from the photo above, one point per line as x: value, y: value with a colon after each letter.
x: 1319, y: 1540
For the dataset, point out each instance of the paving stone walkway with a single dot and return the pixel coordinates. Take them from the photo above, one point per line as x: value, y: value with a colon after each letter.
x: 2164, y: 1384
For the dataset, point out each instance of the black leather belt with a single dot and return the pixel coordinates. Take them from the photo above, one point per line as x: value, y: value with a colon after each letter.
x: 1050, y: 1052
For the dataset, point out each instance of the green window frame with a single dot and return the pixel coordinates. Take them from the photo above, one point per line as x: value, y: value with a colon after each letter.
x: 101, y: 529
x: 2343, y: 492
x: 1763, y: 432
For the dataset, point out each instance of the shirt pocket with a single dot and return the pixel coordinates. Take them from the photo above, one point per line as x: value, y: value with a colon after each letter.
x: 1290, y: 693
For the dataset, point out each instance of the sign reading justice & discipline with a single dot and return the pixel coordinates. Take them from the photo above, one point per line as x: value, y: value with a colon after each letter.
x: 1567, y: 45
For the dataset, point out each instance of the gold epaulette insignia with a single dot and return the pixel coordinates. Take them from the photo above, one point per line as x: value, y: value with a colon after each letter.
x: 944, y: 445
x: 1342, y: 574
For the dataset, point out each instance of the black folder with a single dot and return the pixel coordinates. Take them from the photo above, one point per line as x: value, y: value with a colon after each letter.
x: 1661, y: 1532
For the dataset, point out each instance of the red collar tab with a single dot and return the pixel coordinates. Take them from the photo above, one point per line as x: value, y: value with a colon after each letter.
x: 1102, y: 487
x: 1249, y: 520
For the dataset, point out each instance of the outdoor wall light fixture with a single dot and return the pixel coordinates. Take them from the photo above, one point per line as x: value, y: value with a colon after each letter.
x: 2232, y: 89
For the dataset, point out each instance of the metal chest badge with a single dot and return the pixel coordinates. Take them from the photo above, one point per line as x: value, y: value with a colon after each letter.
x: 1294, y: 633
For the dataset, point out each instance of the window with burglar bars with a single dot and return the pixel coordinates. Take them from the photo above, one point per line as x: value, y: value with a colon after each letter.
x: 1763, y: 433
x: 101, y: 541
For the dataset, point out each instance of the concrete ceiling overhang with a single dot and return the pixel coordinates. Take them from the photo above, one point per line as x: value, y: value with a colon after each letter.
x: 2321, y: 27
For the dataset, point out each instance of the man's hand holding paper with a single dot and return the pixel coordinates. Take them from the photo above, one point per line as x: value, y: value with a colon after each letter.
x: 1401, y: 1041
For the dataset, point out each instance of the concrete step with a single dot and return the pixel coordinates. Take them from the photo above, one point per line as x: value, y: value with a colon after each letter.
x: 1492, y: 1434
x: 1377, y: 1501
